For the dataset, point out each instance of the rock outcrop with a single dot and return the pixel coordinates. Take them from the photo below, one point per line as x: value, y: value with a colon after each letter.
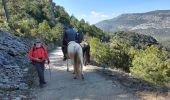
x: 13, y: 65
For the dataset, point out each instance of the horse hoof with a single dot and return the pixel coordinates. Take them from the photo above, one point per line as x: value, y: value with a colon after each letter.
x: 73, y: 73
x: 75, y: 78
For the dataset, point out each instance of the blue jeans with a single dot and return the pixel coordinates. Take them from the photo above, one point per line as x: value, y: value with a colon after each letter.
x: 40, y: 70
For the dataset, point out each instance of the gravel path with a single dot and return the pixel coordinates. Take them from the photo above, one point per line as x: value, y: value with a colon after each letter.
x: 62, y: 86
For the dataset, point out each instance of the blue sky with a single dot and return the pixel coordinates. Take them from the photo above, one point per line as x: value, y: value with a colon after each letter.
x: 94, y: 11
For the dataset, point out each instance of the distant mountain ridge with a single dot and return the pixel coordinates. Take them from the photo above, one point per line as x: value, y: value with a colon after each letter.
x: 153, y: 22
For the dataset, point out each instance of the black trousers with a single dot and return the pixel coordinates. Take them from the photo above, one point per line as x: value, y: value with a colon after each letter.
x: 64, y: 50
x: 87, y: 50
x: 40, y: 70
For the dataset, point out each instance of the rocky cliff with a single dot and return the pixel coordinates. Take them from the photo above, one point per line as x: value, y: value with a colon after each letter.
x: 13, y: 66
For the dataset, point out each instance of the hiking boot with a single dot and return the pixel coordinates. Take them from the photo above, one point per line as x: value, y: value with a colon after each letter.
x: 44, y: 82
x: 64, y: 59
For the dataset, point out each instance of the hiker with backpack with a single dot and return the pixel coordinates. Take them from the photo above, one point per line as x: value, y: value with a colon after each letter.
x: 38, y: 54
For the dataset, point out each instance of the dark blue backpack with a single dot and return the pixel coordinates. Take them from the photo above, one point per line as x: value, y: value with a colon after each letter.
x: 79, y: 37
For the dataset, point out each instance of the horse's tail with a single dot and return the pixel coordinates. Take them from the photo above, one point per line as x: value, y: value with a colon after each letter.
x: 76, y: 64
x: 76, y: 58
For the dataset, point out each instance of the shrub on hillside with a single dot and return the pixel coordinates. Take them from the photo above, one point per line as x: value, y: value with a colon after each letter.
x: 44, y: 31
x: 114, y: 55
x: 152, y: 65
x: 26, y: 25
x: 57, y: 32
x: 120, y: 55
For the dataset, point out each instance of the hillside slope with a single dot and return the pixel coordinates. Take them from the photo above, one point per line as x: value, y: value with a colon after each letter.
x: 154, y: 22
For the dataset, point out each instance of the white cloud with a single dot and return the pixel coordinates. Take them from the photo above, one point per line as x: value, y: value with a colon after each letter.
x: 95, y: 13
x: 98, y: 14
x: 104, y: 16
x: 113, y: 14
x: 94, y: 16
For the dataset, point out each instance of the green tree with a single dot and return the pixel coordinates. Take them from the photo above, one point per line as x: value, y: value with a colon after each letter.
x: 63, y: 16
x: 4, y: 3
x: 44, y: 31
x: 57, y: 32
x: 26, y: 25
x: 33, y: 9
x: 150, y: 64
x: 74, y: 21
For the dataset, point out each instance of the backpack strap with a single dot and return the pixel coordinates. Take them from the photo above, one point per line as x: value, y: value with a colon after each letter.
x: 34, y: 48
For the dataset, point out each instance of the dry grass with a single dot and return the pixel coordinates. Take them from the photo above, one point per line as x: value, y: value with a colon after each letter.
x: 154, y: 96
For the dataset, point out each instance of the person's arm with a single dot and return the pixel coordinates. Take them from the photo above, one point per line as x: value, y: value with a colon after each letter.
x: 31, y: 54
x: 46, y: 55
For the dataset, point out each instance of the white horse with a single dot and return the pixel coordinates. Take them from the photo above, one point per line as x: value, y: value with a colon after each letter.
x: 76, y: 55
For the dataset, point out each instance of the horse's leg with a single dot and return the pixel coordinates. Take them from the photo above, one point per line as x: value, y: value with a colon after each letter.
x: 78, y: 67
x: 81, y: 63
x: 67, y: 66
x: 75, y: 65
x: 81, y: 70
x: 83, y: 55
x: 71, y: 56
x: 75, y: 70
x: 78, y: 70
x: 85, y: 59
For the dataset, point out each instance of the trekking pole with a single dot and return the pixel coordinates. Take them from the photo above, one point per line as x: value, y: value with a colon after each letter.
x: 49, y: 70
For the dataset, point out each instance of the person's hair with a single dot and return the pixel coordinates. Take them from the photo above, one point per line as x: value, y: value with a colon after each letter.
x: 37, y: 40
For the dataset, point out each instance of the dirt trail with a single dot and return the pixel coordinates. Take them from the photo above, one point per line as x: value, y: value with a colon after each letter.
x: 62, y: 86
